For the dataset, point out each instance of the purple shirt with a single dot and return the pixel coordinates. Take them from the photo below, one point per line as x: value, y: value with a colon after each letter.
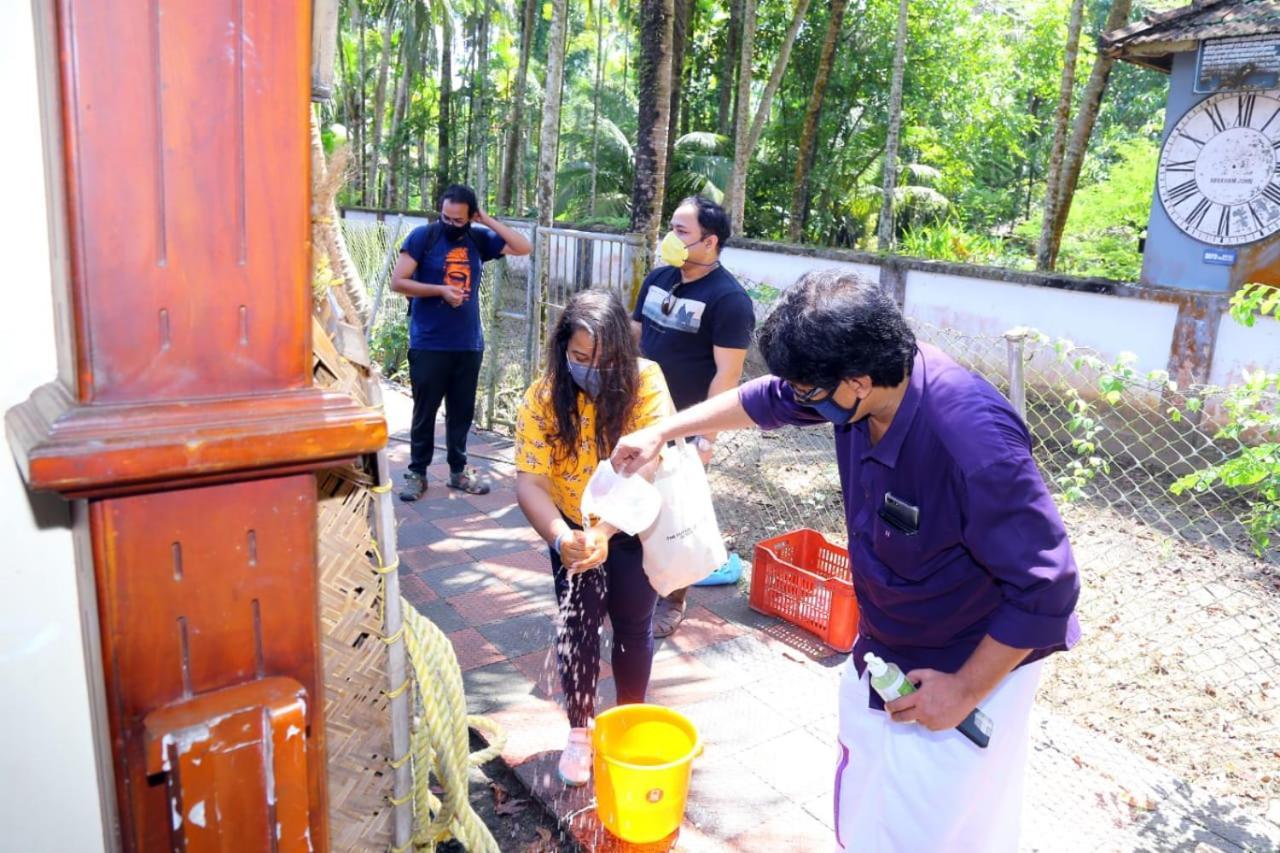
x: 991, y: 555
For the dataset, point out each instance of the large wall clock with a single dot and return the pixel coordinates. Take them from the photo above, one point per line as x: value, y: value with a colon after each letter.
x: 1219, y: 172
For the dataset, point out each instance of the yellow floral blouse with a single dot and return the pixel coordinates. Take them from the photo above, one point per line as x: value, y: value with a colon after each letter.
x: 569, y: 476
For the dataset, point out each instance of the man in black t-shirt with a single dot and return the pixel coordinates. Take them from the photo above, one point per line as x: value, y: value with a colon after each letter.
x: 695, y: 320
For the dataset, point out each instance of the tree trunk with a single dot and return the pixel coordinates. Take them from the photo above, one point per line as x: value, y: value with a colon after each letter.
x: 1091, y: 102
x: 728, y: 68
x: 480, y: 86
x: 736, y: 199
x: 775, y: 78
x: 348, y: 91
x: 885, y: 234
x: 595, y: 105
x: 812, y: 115
x: 511, y: 173
x: 472, y: 40
x: 400, y: 106
x: 549, y: 147
x: 653, y: 89
x: 379, y: 107
x: 1033, y: 113
x: 681, y: 13
x: 1054, y: 172
x: 626, y: 47
x: 446, y: 86
x: 357, y: 17
x: 424, y: 184
x: 327, y: 178
x: 524, y: 184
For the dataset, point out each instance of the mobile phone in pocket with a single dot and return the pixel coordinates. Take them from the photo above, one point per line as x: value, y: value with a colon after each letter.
x: 900, y: 515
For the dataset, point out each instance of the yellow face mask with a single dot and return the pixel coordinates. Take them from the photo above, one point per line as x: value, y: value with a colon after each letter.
x: 673, y: 251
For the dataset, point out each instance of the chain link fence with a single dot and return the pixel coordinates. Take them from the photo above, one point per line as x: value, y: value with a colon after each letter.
x: 1179, y: 668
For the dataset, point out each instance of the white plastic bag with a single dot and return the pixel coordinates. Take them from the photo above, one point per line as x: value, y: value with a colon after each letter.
x: 628, y: 503
x: 684, y: 545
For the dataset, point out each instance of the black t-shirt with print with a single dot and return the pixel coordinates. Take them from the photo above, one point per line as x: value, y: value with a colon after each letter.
x: 713, y: 311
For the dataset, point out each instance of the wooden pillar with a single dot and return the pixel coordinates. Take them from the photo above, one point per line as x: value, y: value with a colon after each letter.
x: 184, y: 411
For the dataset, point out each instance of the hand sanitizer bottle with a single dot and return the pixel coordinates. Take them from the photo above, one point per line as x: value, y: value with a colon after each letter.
x: 888, y: 680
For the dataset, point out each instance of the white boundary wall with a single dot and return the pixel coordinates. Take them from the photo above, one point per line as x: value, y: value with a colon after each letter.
x: 51, y: 797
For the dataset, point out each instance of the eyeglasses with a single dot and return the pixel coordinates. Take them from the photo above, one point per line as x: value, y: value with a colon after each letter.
x: 449, y: 220
x: 812, y: 395
x: 669, y: 301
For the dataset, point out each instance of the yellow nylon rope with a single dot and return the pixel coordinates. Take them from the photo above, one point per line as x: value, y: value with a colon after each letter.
x: 439, y: 742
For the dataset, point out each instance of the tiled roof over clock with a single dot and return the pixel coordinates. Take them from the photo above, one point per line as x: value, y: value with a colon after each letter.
x: 1153, y: 40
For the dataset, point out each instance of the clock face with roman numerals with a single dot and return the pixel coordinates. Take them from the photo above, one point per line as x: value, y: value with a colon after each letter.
x: 1219, y: 173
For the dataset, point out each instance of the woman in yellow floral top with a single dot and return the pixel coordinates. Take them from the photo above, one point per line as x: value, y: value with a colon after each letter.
x: 596, y: 388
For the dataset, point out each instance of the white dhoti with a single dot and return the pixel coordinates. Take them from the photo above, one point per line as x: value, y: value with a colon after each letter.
x: 901, y: 788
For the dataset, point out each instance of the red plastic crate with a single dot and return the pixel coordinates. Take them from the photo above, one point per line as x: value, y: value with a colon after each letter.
x: 804, y: 579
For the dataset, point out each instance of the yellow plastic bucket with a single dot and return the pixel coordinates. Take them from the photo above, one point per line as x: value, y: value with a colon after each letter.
x: 643, y: 759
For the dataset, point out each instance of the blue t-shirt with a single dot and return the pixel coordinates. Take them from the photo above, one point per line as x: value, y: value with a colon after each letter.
x: 713, y: 311
x: 433, y: 323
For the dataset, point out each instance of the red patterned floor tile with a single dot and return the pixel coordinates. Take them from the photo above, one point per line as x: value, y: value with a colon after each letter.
x: 495, y: 500
x: 457, y: 524
x: 416, y: 590
x: 533, y: 560
x: 432, y: 557
x: 540, y: 667
x: 498, y: 601
x: 472, y: 649
x: 520, y: 568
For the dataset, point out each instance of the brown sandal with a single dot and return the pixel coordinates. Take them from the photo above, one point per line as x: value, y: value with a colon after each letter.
x: 667, y: 616
x: 468, y: 480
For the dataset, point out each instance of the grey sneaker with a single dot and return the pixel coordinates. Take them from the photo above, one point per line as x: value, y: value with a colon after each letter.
x: 469, y: 481
x: 414, y: 485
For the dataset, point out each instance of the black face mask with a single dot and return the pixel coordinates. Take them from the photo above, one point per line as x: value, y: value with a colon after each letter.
x: 454, y: 233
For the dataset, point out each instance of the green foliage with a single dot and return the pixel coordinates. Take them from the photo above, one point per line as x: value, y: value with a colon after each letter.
x: 1253, y: 301
x: 949, y: 241
x: 1252, y: 411
x: 390, y: 348
x: 1101, y: 236
x: 1086, y: 424
x: 978, y: 99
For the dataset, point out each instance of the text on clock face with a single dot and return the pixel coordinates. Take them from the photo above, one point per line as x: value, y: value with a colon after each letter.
x: 1219, y: 172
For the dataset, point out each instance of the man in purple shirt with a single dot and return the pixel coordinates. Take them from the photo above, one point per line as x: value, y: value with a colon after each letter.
x: 960, y: 562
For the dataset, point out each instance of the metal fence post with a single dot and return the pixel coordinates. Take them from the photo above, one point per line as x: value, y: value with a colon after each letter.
x: 1016, y: 346
x: 532, y: 305
x: 384, y: 273
x: 491, y: 381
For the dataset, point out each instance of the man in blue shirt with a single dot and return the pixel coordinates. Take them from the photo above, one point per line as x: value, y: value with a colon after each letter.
x: 695, y: 320
x: 439, y: 270
x: 960, y: 562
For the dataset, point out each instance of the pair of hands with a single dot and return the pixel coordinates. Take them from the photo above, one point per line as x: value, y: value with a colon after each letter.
x: 583, y: 550
x: 452, y: 295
